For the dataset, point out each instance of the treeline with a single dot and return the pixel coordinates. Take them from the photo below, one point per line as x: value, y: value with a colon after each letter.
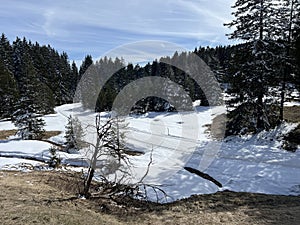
x: 226, y: 62
x: 39, y: 76
x: 257, y: 74
x: 176, y: 69
x: 36, y: 73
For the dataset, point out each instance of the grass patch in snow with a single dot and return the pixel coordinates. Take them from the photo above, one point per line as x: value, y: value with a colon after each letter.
x: 5, y: 134
x: 292, y: 139
x: 292, y: 114
x: 52, y: 133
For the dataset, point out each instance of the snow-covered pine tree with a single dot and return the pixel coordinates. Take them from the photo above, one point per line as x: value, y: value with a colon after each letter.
x: 74, y: 134
x: 27, y: 119
x: 55, y: 160
x: 80, y: 84
x: 251, y: 68
x: 74, y: 76
x: 6, y: 53
x: 8, y: 92
x: 95, y: 76
x: 297, y: 58
x: 27, y: 110
x: 285, y: 31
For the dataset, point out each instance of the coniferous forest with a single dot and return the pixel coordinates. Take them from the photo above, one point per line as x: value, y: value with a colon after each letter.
x: 257, y: 74
x: 37, y: 73
x: 47, y: 78
x: 38, y: 78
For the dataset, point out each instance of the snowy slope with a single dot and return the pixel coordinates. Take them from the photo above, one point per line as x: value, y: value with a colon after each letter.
x: 253, y: 164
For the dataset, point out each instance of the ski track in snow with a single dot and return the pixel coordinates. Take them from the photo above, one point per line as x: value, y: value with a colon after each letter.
x: 247, y: 164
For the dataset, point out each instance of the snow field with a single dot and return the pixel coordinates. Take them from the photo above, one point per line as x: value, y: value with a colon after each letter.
x: 248, y: 164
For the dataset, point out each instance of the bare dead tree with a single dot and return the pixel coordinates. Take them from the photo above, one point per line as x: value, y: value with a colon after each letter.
x: 109, y: 145
x: 111, y: 151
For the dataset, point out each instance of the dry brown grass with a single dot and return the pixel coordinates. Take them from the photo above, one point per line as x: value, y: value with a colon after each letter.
x: 292, y: 114
x: 50, y: 198
x: 292, y: 140
x: 217, y: 128
x: 33, y: 198
x: 49, y: 134
x: 4, y: 134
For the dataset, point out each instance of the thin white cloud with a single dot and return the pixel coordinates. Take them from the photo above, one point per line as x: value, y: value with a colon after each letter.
x: 88, y: 24
x: 144, y: 51
x: 179, y: 18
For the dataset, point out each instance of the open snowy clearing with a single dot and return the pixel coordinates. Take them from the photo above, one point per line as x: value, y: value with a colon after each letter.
x: 245, y: 164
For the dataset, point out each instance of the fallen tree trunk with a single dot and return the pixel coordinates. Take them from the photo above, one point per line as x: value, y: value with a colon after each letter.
x: 24, y: 157
x: 203, y: 175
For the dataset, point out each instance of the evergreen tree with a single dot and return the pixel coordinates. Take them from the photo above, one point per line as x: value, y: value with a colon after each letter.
x: 74, y: 77
x: 8, y: 92
x: 65, y: 80
x: 55, y: 77
x: 74, y: 134
x: 27, y: 110
x: 253, y: 23
x: 285, y: 30
x: 86, y: 63
x: 6, y: 53
x: 297, y: 59
x: 54, y: 161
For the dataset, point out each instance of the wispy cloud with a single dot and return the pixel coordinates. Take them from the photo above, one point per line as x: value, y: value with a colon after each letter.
x: 144, y: 51
x: 95, y: 27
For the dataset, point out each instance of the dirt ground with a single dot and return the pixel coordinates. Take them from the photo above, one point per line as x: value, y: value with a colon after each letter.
x: 51, y: 198
x: 4, y: 134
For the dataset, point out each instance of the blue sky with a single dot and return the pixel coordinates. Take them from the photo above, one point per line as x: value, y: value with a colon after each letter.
x: 98, y: 26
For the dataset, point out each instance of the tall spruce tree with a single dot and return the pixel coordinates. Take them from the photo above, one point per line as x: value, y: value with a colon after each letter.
x: 8, y: 92
x: 81, y: 88
x: 285, y: 30
x: 253, y: 23
x: 55, y: 77
x: 74, y: 78
x: 6, y: 53
x: 297, y: 59
x: 8, y: 84
x: 27, y: 110
x: 86, y: 63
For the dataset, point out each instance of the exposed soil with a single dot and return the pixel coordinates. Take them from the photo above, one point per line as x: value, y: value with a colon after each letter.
x: 49, y: 134
x: 292, y: 114
x: 51, y: 198
x: 4, y: 134
x: 292, y: 140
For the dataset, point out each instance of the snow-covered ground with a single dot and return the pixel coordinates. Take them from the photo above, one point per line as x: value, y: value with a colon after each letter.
x: 252, y: 164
